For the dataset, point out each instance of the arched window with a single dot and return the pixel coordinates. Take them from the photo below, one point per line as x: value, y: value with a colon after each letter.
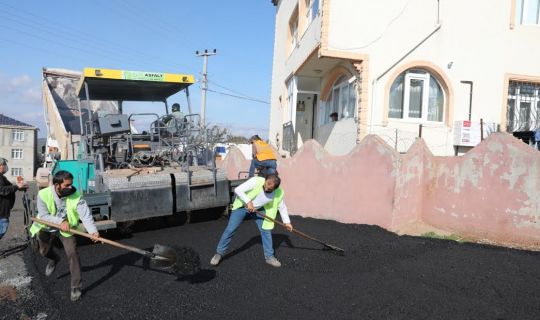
x: 416, y: 95
x: 341, y: 100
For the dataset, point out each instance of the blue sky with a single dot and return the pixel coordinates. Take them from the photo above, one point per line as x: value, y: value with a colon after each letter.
x: 159, y: 36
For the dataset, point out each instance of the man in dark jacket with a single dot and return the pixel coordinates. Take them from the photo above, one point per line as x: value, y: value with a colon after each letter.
x: 7, y: 196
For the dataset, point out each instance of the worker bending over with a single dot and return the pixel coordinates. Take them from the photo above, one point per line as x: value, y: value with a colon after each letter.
x: 61, y: 204
x: 256, y: 194
x: 263, y: 156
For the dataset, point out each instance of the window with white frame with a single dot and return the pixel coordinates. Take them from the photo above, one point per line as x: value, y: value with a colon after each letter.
x: 341, y: 100
x: 293, y: 30
x: 15, y: 172
x: 416, y: 95
x: 312, y: 9
x: 16, y: 153
x: 523, y: 113
x: 17, y: 135
x: 528, y: 12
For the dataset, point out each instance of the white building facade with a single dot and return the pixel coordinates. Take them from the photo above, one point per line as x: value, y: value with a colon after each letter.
x: 18, y: 146
x: 343, y: 69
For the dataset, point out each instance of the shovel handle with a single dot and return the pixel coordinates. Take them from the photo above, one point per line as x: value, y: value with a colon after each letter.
x: 299, y: 232
x: 100, y: 239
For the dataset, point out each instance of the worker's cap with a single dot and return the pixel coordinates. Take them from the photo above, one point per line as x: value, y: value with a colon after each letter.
x: 255, y: 138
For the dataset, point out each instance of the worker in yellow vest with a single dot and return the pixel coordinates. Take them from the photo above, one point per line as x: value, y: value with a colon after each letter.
x: 61, y: 204
x: 263, y: 156
x: 256, y: 194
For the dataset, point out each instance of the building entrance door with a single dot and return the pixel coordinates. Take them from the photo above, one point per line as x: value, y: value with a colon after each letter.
x: 305, y: 107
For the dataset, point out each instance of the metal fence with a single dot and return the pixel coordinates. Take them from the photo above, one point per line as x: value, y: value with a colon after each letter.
x: 523, y: 113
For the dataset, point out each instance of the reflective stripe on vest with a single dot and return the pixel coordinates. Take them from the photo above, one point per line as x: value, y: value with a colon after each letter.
x: 271, y: 208
x: 46, y: 195
x: 264, y: 151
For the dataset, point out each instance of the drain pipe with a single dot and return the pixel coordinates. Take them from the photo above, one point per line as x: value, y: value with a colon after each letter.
x: 376, y: 80
x: 470, y: 83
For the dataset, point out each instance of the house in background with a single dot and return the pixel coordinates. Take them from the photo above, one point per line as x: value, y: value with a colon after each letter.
x: 396, y: 68
x: 18, y: 145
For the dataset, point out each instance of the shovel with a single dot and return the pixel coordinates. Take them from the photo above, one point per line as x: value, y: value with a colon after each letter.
x: 178, y: 260
x: 327, y: 245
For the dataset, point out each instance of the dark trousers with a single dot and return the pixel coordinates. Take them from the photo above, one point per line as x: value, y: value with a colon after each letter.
x: 46, y: 241
x: 270, y: 165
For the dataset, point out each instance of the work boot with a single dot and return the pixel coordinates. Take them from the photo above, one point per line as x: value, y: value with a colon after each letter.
x: 215, y: 259
x: 75, y: 294
x: 49, y: 269
x: 273, y: 262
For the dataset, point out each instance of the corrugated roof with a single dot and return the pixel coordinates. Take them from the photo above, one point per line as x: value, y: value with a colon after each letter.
x: 7, y: 121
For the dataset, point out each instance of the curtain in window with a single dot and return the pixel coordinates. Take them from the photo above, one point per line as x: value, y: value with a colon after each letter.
x: 510, y: 114
x: 436, y: 101
x: 524, y: 115
x: 396, y: 98
x: 344, y: 101
x: 416, y: 94
x: 352, y: 101
x: 537, y: 116
x: 335, y: 100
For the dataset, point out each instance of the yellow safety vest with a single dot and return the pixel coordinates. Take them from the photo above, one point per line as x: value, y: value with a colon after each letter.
x: 264, y: 151
x: 46, y: 195
x: 271, y: 208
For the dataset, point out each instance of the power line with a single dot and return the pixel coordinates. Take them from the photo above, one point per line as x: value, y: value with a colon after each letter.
x: 22, y: 44
x: 62, y: 44
x: 77, y: 35
x: 238, y: 97
x: 81, y: 43
x: 142, y: 22
x: 228, y: 89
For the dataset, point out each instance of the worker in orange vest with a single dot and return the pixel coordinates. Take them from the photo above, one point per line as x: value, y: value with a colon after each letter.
x: 263, y: 156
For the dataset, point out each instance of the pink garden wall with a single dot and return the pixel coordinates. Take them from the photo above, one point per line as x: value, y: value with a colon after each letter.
x: 491, y: 194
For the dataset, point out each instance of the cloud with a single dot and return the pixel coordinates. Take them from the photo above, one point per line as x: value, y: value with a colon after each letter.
x: 32, y: 95
x: 20, y: 81
x: 20, y: 99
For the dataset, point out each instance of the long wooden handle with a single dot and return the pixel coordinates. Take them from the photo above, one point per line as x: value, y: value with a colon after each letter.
x: 300, y: 233
x: 100, y: 239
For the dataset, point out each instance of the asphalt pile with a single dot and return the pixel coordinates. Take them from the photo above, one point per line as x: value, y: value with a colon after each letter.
x: 381, y: 276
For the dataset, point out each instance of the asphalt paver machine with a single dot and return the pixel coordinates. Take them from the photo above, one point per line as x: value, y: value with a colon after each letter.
x: 126, y: 174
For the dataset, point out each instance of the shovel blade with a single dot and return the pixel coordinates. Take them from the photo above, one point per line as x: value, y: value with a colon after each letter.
x: 178, y: 260
x: 165, y: 256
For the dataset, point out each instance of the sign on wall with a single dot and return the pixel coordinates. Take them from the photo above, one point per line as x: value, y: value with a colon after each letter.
x: 467, y: 133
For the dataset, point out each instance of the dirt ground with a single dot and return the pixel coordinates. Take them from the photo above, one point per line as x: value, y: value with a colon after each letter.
x: 382, y: 276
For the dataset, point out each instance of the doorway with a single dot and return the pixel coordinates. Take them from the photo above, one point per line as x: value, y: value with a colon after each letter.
x: 305, y: 115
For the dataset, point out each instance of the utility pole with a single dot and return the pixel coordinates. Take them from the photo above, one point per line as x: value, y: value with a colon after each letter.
x: 204, y: 82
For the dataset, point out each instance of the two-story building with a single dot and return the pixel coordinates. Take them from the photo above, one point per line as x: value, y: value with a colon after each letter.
x: 18, y: 146
x: 343, y: 69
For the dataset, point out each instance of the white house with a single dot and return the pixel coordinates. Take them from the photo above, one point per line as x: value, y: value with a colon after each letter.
x: 18, y: 142
x: 401, y: 68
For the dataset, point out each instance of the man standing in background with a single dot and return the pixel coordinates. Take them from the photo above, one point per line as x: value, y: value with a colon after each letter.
x: 263, y: 156
x: 7, y: 196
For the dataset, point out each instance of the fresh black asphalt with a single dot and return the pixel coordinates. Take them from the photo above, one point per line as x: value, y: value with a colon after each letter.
x: 381, y: 276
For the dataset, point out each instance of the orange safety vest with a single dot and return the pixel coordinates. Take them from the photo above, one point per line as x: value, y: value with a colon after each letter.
x: 264, y: 151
